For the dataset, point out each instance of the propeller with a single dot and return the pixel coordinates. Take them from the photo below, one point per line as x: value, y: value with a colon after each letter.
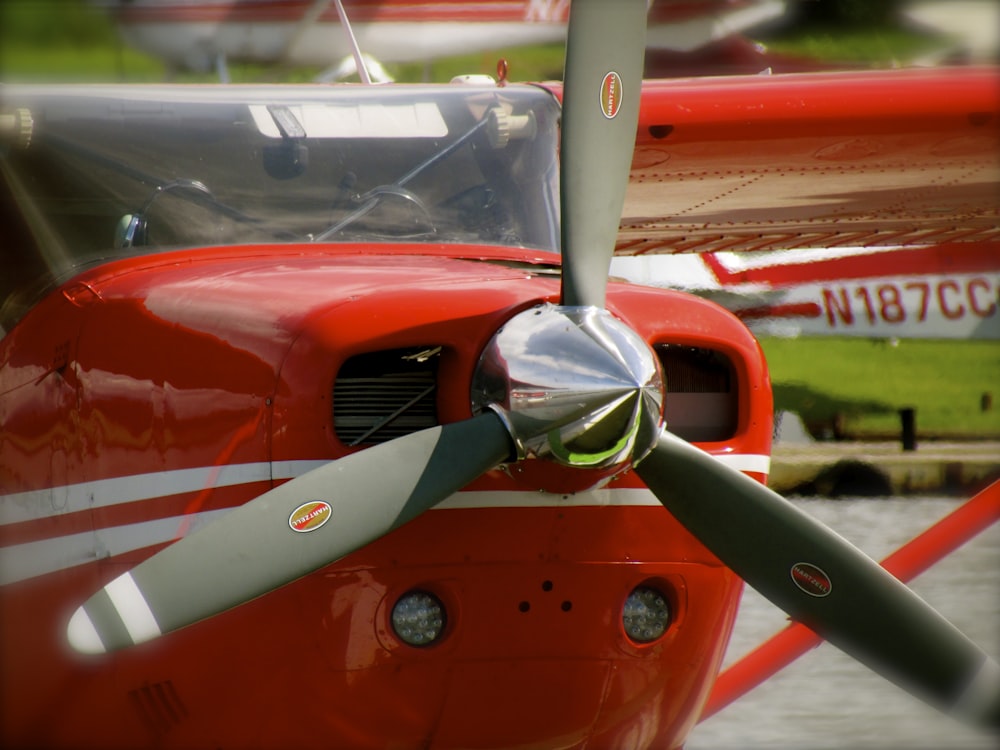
x: 823, y: 581
x: 288, y: 532
x: 601, y: 87
x: 573, y: 383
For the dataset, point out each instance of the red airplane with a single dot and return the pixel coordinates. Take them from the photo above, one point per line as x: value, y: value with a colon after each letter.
x: 322, y: 425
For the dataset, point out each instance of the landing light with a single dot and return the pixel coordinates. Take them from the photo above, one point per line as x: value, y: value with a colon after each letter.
x: 418, y: 618
x: 646, y: 614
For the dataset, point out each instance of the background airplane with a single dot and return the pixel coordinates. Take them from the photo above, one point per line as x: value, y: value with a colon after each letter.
x: 200, y: 35
x: 933, y: 292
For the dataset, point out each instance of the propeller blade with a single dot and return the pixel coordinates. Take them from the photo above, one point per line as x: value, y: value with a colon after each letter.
x: 288, y: 532
x: 603, y: 78
x: 822, y: 581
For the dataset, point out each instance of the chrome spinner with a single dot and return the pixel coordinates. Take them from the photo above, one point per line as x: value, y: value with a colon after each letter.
x: 572, y: 383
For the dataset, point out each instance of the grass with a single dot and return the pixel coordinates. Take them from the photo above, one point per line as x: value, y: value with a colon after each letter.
x: 867, y: 382
x: 877, y: 46
x: 531, y: 63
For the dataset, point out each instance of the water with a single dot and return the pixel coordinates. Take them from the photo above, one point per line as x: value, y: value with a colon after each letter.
x: 826, y: 700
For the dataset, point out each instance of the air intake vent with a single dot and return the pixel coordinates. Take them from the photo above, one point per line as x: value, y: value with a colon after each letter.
x: 381, y: 396
x: 702, y: 396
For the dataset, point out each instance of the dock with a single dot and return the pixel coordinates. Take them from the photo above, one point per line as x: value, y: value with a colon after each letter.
x: 832, y: 468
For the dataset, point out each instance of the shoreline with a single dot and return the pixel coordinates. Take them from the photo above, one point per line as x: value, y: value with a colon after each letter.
x: 883, y: 468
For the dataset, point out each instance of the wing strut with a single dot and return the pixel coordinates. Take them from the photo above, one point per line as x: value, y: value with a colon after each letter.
x: 359, y: 59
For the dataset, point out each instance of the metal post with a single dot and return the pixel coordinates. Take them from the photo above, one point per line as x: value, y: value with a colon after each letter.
x: 908, y: 417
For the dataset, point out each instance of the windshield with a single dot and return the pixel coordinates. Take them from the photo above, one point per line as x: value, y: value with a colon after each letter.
x: 126, y: 170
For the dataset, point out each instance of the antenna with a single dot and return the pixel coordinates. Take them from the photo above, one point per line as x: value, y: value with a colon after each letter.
x: 359, y: 61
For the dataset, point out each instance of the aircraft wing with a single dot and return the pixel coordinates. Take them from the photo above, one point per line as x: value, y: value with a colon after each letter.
x: 838, y: 163
x: 904, y: 157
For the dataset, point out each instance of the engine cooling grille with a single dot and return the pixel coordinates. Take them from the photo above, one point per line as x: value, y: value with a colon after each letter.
x: 380, y: 396
x: 702, y: 402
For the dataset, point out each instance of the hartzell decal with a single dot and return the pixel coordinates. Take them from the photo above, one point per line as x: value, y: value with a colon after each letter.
x: 611, y: 95
x: 811, y: 579
x: 310, y: 516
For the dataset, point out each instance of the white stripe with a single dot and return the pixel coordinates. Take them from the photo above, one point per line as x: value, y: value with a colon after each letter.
x: 20, y: 562
x: 736, y: 262
x: 755, y: 462
x: 83, y: 635
x: 292, y: 469
x: 600, y: 498
x: 133, y: 609
x: 35, y: 504
x: 24, y: 561
x: 28, y: 506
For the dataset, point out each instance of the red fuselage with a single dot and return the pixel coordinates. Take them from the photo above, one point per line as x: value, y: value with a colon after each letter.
x: 148, y: 395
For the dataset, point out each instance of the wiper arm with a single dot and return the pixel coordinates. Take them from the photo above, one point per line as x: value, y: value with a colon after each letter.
x: 376, y: 195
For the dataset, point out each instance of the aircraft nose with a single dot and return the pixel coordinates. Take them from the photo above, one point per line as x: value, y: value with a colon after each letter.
x: 530, y: 653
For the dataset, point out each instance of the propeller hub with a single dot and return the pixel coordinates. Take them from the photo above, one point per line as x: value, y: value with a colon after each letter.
x: 574, y: 384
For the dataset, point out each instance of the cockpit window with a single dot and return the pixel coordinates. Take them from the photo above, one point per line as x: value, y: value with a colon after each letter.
x: 116, y: 171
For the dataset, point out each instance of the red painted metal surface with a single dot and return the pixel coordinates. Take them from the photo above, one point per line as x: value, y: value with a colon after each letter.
x: 216, y: 359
